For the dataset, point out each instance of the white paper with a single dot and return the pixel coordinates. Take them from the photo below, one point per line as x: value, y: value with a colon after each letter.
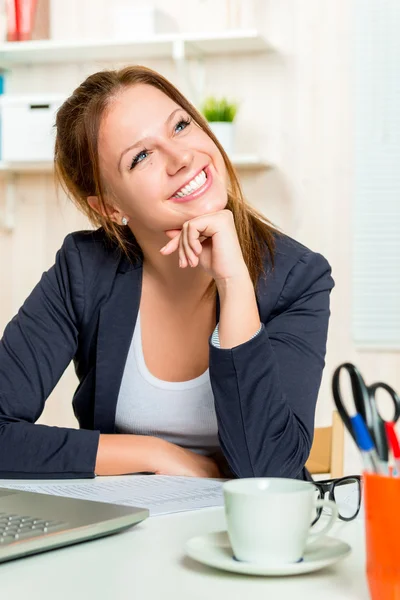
x: 161, y: 494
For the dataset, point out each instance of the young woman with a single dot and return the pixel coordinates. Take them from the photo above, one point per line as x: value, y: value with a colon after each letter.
x: 197, y: 331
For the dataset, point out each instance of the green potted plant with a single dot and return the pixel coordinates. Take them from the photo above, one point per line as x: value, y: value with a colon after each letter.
x: 220, y: 114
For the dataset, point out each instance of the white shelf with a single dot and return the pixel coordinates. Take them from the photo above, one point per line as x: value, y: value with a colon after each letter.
x: 26, y: 167
x: 250, y: 161
x: 240, y: 161
x: 158, y: 46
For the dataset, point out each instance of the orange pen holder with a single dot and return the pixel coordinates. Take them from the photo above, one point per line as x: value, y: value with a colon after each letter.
x: 382, y: 525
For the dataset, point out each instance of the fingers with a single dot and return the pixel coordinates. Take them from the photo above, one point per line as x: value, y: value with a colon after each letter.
x: 172, y: 245
x: 190, y: 246
x: 187, y: 242
x: 171, y: 233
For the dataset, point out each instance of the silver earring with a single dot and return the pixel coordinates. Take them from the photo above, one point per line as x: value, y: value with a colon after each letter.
x: 124, y: 221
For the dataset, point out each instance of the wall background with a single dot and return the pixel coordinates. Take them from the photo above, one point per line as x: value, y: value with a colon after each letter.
x: 296, y: 108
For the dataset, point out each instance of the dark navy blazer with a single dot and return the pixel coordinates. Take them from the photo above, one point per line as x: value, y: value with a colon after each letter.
x: 84, y: 309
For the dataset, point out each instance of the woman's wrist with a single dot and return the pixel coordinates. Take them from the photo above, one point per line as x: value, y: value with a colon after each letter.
x: 120, y: 454
x: 239, y: 318
x: 231, y: 285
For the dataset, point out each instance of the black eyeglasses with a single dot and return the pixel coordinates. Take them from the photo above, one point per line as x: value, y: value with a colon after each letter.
x: 345, y: 492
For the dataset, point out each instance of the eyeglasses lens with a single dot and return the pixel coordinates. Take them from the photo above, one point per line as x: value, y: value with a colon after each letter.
x: 347, y: 497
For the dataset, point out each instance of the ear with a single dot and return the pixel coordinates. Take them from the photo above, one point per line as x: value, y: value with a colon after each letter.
x: 107, y: 210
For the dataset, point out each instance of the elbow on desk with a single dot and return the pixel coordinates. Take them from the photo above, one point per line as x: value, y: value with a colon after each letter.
x: 284, y: 460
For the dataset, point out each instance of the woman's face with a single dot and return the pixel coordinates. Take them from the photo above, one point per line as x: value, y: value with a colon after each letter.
x: 161, y: 168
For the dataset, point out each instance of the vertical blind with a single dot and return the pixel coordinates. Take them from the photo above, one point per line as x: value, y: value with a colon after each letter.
x: 376, y: 256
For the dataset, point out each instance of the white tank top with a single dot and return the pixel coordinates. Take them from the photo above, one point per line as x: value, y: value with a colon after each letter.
x: 180, y: 412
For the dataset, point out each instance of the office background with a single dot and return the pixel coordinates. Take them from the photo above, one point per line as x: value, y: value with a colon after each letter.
x: 306, y: 110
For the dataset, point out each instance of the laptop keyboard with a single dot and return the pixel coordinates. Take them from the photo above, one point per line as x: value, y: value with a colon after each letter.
x: 16, y: 527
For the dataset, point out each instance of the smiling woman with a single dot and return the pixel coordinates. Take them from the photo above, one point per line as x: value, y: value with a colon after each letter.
x: 146, y: 143
x: 197, y: 331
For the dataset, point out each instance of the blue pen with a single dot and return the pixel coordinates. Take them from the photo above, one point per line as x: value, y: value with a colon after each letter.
x: 372, y: 463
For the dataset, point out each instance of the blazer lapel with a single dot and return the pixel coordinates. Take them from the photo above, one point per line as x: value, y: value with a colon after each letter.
x: 116, y: 325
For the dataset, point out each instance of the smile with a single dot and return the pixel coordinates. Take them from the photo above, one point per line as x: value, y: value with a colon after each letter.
x: 196, y: 186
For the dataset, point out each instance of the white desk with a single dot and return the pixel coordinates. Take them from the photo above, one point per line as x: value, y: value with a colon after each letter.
x: 148, y: 563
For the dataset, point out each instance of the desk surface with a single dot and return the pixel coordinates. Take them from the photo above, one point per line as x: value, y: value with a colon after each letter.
x: 148, y: 562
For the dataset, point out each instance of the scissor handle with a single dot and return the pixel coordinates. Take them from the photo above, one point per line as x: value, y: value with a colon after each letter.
x: 392, y: 393
x: 365, y: 405
x: 360, y: 394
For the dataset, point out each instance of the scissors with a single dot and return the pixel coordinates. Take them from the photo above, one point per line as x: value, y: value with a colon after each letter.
x: 365, y: 405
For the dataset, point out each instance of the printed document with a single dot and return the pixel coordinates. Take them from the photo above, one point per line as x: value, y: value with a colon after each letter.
x: 161, y: 494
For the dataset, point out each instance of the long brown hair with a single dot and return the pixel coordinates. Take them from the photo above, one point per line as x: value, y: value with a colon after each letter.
x: 77, y: 161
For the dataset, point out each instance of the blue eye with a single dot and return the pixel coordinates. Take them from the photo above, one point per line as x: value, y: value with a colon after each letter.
x: 180, y: 126
x: 182, y: 123
x: 137, y: 158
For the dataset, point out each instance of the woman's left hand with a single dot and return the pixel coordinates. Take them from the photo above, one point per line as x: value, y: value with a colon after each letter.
x: 210, y: 241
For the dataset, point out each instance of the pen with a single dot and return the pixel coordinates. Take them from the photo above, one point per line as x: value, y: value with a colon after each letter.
x: 372, y: 463
x: 394, y: 444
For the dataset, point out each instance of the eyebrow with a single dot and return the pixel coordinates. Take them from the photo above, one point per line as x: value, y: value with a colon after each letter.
x: 141, y: 142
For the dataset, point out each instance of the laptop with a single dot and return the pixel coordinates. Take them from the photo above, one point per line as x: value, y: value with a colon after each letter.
x: 32, y: 522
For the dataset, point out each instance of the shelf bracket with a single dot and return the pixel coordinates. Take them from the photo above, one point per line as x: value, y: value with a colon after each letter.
x: 193, y: 91
x: 7, y: 216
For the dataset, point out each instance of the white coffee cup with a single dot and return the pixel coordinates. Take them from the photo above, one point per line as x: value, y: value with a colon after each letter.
x: 269, y: 519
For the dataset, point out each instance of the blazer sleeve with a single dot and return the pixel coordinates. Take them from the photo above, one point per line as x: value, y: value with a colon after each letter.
x: 37, y: 346
x: 266, y: 389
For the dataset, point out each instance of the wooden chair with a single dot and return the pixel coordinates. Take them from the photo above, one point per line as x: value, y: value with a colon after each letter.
x: 326, y: 456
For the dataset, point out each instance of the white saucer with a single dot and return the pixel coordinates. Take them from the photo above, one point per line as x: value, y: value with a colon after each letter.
x: 215, y: 550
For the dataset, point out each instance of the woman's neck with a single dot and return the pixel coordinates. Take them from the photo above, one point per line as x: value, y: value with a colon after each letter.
x: 165, y: 273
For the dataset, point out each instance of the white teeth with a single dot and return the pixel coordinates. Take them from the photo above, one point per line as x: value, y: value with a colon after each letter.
x: 193, y: 185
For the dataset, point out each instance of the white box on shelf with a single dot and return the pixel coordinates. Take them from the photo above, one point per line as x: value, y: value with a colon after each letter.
x: 27, y: 131
x: 103, y: 19
x: 138, y: 21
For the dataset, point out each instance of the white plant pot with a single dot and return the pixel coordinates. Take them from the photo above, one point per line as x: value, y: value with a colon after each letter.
x: 225, y: 133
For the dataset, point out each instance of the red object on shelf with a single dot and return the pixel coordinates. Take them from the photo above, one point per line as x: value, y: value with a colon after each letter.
x: 12, y: 30
x: 20, y: 19
x: 25, y: 10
